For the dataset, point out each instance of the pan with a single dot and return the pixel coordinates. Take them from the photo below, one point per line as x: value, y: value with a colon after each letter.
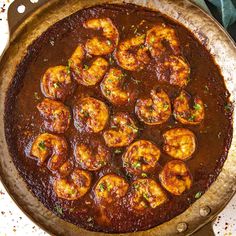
x: 38, y: 17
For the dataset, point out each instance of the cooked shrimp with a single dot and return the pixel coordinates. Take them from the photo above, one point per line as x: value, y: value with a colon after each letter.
x: 56, y: 83
x: 131, y: 54
x: 56, y: 115
x: 123, y: 131
x: 91, y: 158
x: 111, y: 87
x: 102, y: 45
x: 83, y: 74
x: 90, y: 115
x: 160, y: 37
x: 110, y: 188
x: 52, y: 147
x: 179, y: 70
x: 146, y: 193
x: 179, y: 143
x: 141, y: 156
x: 176, y: 177
x: 65, y: 169
x: 155, y: 110
x: 184, y: 114
x: 73, y: 187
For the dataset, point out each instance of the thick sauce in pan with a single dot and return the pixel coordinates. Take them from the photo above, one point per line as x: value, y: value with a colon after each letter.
x: 129, y: 131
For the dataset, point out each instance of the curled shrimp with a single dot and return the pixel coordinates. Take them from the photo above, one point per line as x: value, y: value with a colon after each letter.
x: 141, y: 156
x: 84, y: 74
x: 102, y: 45
x: 111, y: 87
x: 123, y: 131
x: 90, y: 115
x: 155, y: 110
x: 91, y: 158
x: 56, y: 83
x: 73, y: 187
x: 65, y: 169
x: 176, y: 177
x: 146, y: 193
x: 184, y: 114
x: 52, y: 147
x: 110, y: 188
x: 178, y: 69
x: 56, y: 115
x: 160, y: 37
x: 131, y: 54
x: 179, y: 143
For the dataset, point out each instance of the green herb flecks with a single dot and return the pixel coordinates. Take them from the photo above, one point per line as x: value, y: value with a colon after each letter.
x: 136, y: 165
x: 36, y: 96
x: 101, y: 187
x: 58, y: 209
x: 86, y: 67
x: 146, y: 196
x: 197, y: 107
x: 198, y: 195
x: 118, y: 151
x: 42, y: 146
x: 144, y: 175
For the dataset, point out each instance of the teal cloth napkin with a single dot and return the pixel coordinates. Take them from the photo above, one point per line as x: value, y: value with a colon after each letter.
x: 226, y: 9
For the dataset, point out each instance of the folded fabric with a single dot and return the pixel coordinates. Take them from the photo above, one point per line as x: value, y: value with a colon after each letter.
x: 226, y: 9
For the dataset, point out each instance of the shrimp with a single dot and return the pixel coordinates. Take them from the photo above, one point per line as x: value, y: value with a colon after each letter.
x: 102, y: 45
x: 184, y: 114
x: 111, y: 87
x: 160, y: 38
x: 90, y: 115
x: 52, y: 147
x: 73, y: 187
x: 146, y: 193
x: 56, y: 83
x: 155, y: 110
x: 91, y: 158
x: 179, y: 70
x: 123, y: 131
x: 83, y: 74
x: 56, y: 115
x: 179, y: 143
x: 141, y: 156
x: 110, y: 188
x: 65, y: 169
x: 132, y: 54
x: 176, y: 177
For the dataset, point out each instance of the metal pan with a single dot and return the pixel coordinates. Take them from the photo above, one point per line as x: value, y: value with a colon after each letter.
x: 25, y: 30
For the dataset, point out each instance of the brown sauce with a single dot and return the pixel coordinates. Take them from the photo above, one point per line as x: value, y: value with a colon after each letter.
x: 23, y: 121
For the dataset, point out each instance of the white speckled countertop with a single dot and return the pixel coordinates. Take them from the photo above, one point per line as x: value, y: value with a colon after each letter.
x: 13, y: 222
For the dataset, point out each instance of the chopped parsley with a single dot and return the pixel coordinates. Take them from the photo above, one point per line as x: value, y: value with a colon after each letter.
x: 101, y: 187
x: 144, y: 175
x: 56, y: 85
x: 146, y: 196
x: 36, y: 95
x: 228, y: 107
x: 118, y: 151
x: 42, y: 145
x: 198, y: 195
x: 197, y: 106
x: 192, y: 118
x: 166, y: 106
x: 86, y: 67
x: 58, y: 209
x: 136, y: 165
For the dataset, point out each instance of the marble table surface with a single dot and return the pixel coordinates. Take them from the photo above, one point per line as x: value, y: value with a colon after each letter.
x: 13, y: 222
